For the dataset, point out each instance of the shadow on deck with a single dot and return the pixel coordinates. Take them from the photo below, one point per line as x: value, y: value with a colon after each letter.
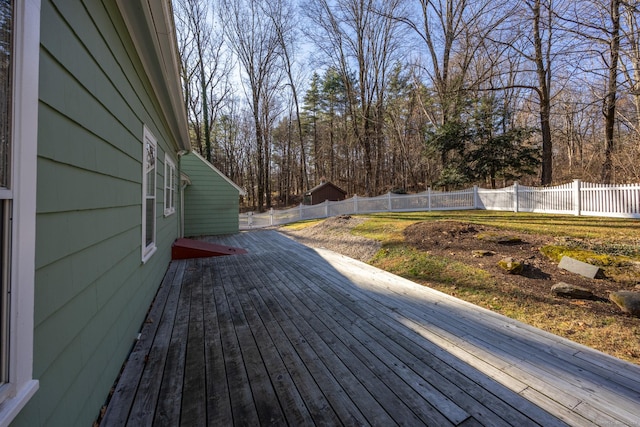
x: 288, y: 335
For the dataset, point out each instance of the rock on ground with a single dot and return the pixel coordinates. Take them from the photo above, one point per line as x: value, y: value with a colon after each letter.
x: 628, y: 301
x: 566, y: 290
x: 511, y: 266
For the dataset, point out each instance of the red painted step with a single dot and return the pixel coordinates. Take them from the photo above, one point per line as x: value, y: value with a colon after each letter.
x: 189, y: 248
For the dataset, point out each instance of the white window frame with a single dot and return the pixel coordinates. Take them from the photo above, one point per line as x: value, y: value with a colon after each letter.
x: 21, y: 386
x: 169, y: 185
x: 148, y: 249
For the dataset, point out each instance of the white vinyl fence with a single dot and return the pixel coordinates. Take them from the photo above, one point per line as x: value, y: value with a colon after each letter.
x: 576, y: 198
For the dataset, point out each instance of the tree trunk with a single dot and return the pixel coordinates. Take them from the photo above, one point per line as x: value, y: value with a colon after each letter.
x: 544, y: 94
x: 609, y: 109
x: 259, y: 155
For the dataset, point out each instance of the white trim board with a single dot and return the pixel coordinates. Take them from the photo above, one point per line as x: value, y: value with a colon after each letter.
x: 21, y: 386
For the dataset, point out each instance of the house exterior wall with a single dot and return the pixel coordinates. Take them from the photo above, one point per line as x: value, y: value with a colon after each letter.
x: 91, y: 289
x: 211, y: 204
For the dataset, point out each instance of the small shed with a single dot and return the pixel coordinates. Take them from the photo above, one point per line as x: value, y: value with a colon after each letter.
x: 324, y: 191
x: 211, y: 199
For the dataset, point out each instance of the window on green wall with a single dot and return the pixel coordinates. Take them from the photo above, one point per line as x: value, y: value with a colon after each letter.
x: 150, y: 148
x: 19, y: 65
x: 169, y: 186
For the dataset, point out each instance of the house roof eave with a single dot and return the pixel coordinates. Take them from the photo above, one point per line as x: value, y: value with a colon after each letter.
x: 151, y: 26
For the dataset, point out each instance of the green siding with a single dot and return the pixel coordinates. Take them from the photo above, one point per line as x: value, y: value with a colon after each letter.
x: 92, y: 290
x: 210, y: 202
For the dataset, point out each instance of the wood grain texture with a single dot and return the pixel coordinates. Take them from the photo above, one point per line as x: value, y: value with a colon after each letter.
x: 287, y: 335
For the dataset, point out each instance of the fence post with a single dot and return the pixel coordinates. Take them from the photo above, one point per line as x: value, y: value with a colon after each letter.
x: 300, y: 211
x: 516, y: 190
x: 250, y: 219
x: 355, y: 203
x: 326, y: 208
x: 577, y: 205
x: 475, y: 197
x: 389, y: 198
x: 271, y: 216
x: 429, y: 198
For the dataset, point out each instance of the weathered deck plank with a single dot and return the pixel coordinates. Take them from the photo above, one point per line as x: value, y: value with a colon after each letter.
x: 287, y: 335
x: 241, y: 398
x: 418, y: 395
x: 144, y: 405
x: 288, y: 393
x: 327, y: 349
x: 407, y: 407
x: 304, y: 343
x: 170, y: 378
x: 528, y: 357
x: 461, y: 389
x: 159, y: 319
x: 219, y: 412
x: 194, y: 405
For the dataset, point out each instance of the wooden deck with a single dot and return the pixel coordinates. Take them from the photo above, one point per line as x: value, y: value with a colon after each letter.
x: 288, y: 335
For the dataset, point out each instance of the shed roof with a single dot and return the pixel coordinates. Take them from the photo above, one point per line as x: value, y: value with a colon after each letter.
x: 322, y: 185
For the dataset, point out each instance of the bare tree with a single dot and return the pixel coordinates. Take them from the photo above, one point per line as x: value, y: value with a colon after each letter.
x: 284, y: 20
x: 359, y: 38
x: 531, y: 42
x: 254, y: 41
x: 609, y: 108
x: 630, y: 61
x: 598, y: 23
x: 542, y: 59
x: 452, y: 36
x: 574, y: 122
x: 204, y: 68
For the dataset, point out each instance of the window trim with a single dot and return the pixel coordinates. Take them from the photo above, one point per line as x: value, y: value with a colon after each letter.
x: 21, y: 386
x: 169, y: 185
x: 148, y: 249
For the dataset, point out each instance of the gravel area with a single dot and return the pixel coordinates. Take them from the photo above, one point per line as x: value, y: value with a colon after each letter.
x: 335, y: 234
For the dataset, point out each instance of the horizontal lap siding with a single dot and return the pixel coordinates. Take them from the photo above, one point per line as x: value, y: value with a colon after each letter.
x: 92, y: 291
x: 211, y: 203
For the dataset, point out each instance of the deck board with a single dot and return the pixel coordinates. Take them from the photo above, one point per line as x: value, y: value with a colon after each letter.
x: 303, y: 356
x: 529, y: 358
x: 219, y: 410
x: 130, y: 380
x: 168, y: 372
x: 391, y: 336
x: 194, y: 405
x: 289, y: 335
x: 370, y: 350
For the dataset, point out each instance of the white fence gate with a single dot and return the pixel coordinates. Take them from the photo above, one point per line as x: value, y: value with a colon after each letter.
x: 576, y: 198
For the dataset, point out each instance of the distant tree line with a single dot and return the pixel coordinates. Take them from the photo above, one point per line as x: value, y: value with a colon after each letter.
x: 401, y: 95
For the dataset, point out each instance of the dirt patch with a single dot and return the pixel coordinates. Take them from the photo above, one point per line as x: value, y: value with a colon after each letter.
x: 335, y: 234
x: 464, y: 242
